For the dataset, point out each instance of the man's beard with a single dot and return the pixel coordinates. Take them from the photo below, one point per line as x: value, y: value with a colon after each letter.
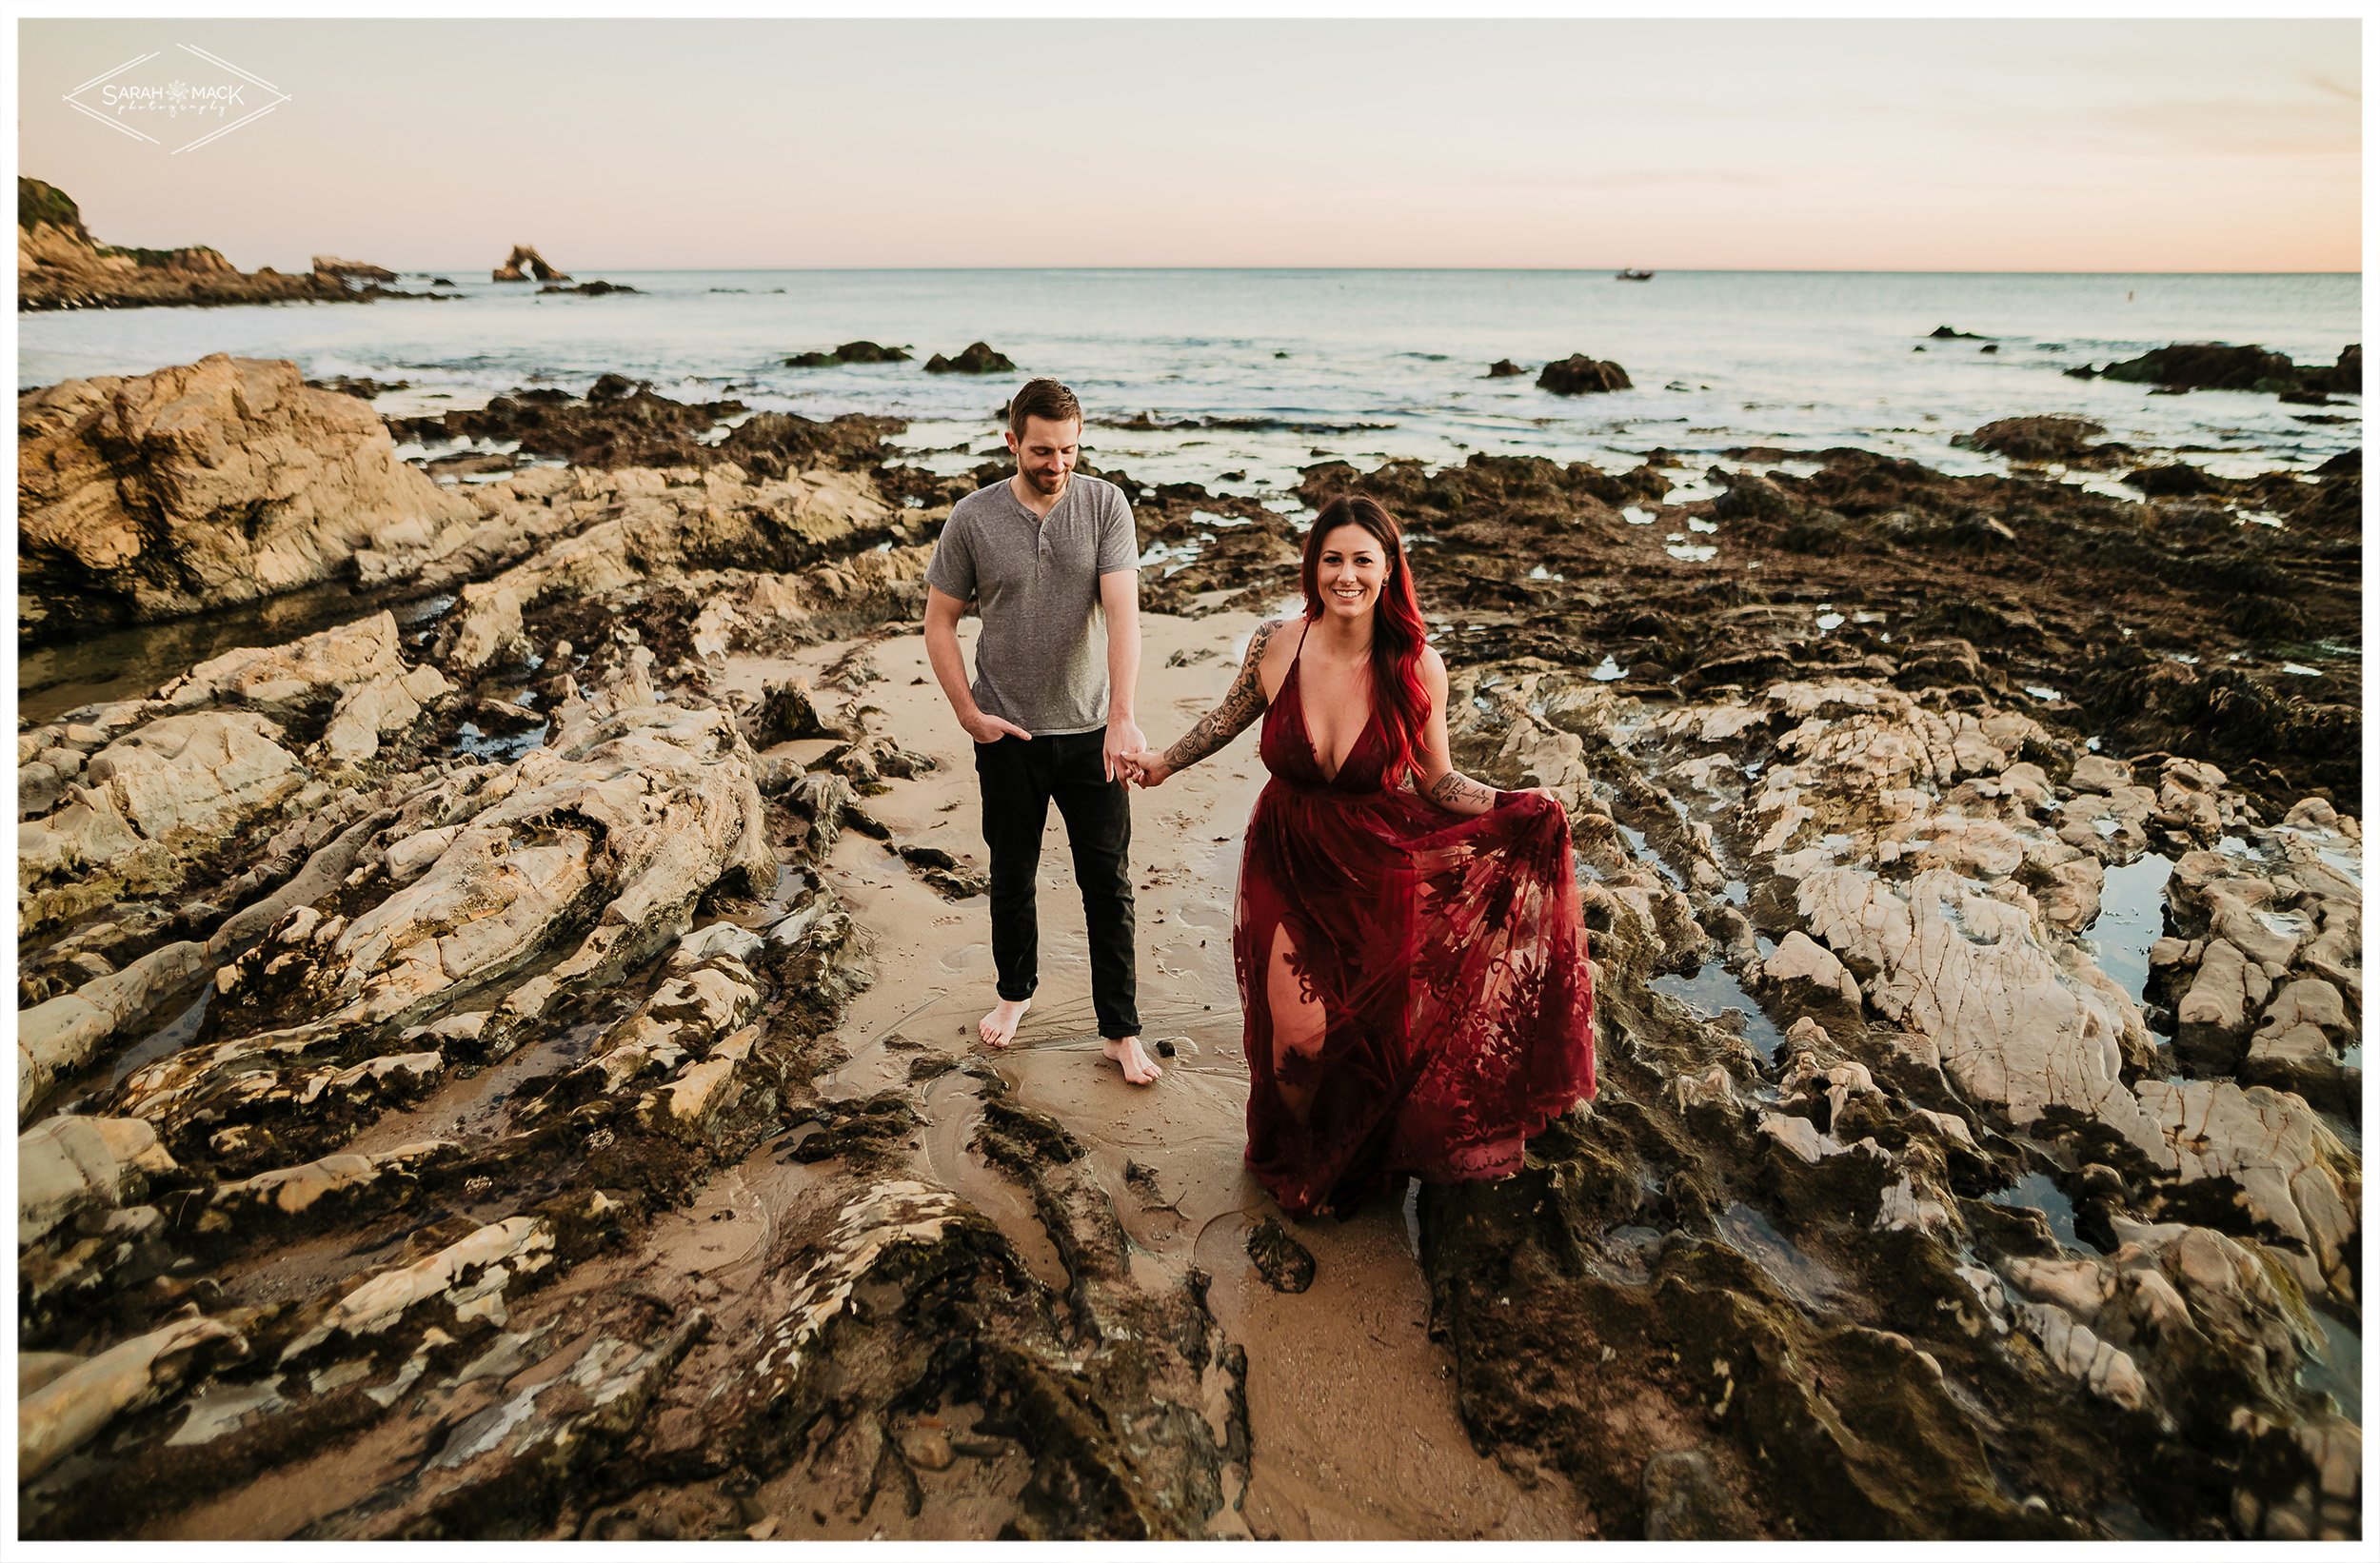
x: 1046, y: 485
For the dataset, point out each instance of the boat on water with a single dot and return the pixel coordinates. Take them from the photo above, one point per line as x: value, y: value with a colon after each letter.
x: 1632, y: 275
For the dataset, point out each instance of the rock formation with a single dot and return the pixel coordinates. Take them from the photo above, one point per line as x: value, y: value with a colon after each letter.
x: 410, y: 921
x: 850, y: 352
x: 59, y: 265
x: 212, y: 483
x: 2063, y: 440
x: 123, y: 519
x: 979, y: 358
x: 621, y: 425
x: 523, y: 264
x: 2219, y: 366
x: 345, y: 271
x: 1578, y: 374
x: 1719, y: 1209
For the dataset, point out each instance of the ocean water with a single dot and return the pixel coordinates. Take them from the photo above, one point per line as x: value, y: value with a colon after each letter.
x: 1276, y: 369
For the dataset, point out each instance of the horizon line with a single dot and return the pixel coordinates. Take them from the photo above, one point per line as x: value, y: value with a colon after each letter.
x: 1519, y: 270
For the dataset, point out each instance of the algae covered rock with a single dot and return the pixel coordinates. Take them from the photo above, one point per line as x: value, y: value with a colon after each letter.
x: 978, y: 358
x: 1577, y: 375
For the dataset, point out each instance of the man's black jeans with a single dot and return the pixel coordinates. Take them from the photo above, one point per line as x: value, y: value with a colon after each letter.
x: 1021, y: 779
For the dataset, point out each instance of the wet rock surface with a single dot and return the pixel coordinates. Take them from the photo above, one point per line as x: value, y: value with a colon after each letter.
x: 1801, y: 1250
x: 617, y: 425
x: 441, y: 1098
x: 2220, y: 366
x: 850, y: 352
x: 2068, y: 441
x: 1285, y: 1263
x: 976, y: 358
x: 398, y: 941
x: 1579, y: 374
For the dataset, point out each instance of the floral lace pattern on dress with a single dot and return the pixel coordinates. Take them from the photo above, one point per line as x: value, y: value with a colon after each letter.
x: 1415, y: 983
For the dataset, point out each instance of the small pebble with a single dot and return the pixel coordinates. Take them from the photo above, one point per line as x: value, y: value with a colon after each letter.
x: 927, y: 1450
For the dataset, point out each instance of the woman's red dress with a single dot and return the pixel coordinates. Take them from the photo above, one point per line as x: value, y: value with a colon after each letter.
x: 1429, y: 969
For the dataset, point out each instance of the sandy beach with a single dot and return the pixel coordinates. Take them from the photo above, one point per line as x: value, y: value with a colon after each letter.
x: 1351, y: 1422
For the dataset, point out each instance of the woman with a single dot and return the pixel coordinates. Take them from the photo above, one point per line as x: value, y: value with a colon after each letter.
x: 1412, y: 964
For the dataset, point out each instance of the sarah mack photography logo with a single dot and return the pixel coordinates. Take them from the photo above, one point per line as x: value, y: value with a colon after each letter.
x: 194, y: 99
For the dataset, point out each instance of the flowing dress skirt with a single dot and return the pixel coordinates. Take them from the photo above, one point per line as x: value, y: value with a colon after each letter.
x: 1415, y: 986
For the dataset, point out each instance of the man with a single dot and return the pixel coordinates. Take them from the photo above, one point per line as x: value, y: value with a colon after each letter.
x: 1052, y: 564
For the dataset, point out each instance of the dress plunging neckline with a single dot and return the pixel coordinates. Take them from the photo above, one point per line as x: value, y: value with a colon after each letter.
x: 1306, y: 730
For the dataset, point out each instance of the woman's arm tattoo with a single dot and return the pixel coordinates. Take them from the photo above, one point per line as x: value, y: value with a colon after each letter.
x: 1242, y: 705
x: 1455, y: 787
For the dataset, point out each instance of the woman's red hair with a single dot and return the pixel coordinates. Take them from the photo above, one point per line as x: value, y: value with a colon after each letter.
x: 1397, y: 692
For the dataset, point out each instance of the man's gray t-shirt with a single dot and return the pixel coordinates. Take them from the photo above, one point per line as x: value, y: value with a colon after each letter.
x: 1041, y: 661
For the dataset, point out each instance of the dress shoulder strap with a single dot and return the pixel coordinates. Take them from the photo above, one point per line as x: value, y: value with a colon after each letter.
x: 1303, y: 624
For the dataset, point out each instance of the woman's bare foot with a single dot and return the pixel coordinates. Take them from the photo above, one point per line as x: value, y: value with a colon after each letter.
x: 1139, y: 1067
x: 1000, y: 1026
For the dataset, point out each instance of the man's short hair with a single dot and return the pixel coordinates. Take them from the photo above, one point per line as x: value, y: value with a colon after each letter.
x: 1045, y: 399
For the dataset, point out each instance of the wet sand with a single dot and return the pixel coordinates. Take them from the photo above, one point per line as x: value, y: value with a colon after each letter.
x: 1353, y: 1428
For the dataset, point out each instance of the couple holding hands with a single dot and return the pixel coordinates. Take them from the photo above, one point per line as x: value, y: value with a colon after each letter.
x: 1412, y: 964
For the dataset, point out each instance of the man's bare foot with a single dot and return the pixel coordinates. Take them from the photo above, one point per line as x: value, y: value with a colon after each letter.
x: 1000, y: 1026
x: 1139, y: 1067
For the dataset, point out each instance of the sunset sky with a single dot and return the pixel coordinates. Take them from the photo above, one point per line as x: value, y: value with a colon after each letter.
x: 2026, y: 145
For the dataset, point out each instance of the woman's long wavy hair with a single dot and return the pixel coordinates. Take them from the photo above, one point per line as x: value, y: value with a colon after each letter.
x: 1400, y: 697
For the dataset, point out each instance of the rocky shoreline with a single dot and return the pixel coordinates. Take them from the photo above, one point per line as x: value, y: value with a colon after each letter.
x: 493, y: 1068
x: 60, y: 266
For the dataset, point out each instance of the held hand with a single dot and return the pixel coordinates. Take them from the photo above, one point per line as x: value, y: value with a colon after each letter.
x: 1120, y: 752
x: 1153, y: 768
x: 986, y: 728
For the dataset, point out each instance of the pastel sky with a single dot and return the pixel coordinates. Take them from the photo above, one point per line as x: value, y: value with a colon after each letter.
x: 1873, y: 144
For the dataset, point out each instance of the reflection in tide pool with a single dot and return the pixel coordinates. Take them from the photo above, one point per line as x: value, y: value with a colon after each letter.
x: 1639, y: 849
x: 2132, y: 918
x: 501, y: 749
x: 171, y: 1038
x: 1799, y: 1275
x: 130, y: 661
x: 1714, y: 990
x: 2036, y: 1189
x: 2338, y: 1371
